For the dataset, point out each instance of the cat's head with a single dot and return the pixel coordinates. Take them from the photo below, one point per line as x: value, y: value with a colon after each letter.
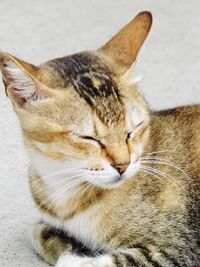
x: 80, y: 112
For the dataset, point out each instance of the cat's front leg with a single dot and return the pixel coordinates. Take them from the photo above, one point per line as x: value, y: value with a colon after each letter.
x: 134, y: 257
x: 49, y: 242
x: 57, y: 248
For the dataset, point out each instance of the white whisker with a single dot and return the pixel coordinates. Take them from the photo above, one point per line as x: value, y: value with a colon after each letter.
x: 163, y: 174
x: 60, y: 190
x: 157, y: 173
x: 59, y: 182
x: 61, y: 172
x: 84, y: 186
x: 40, y: 179
x: 163, y: 161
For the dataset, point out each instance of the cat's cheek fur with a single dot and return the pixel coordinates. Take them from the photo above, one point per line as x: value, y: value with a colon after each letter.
x: 132, y: 170
x: 45, y: 165
x: 71, y: 260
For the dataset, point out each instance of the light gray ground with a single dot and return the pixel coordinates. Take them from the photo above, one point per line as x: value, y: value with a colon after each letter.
x: 40, y: 30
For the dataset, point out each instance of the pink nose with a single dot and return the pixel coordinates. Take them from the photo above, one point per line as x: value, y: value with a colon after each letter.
x: 121, y: 167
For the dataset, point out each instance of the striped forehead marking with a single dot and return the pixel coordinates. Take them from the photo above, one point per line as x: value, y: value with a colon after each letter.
x: 92, y: 81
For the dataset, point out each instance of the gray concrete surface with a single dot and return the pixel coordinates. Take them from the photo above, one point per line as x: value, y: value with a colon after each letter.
x: 39, y: 30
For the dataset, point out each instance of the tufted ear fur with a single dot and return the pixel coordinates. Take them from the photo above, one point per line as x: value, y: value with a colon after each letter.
x: 21, y: 81
x: 123, y: 48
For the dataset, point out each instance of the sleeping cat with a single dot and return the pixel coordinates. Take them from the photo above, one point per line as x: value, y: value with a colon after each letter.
x: 117, y: 185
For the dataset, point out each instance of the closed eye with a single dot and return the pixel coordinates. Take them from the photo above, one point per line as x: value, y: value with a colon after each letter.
x: 91, y: 138
x: 130, y: 133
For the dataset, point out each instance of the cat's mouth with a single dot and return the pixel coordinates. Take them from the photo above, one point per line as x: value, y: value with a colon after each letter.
x: 110, y: 178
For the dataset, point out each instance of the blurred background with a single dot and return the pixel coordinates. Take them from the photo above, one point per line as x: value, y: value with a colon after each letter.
x: 36, y: 31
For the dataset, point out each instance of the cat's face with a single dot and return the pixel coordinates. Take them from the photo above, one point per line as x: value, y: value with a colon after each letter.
x: 79, y: 115
x: 102, y: 133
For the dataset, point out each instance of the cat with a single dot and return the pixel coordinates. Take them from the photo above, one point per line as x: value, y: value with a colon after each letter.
x: 116, y: 184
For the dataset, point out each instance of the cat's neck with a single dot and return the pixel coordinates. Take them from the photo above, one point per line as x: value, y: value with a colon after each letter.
x: 62, y: 204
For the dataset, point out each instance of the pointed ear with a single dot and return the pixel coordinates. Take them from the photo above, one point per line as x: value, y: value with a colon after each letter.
x: 21, y: 81
x: 123, y: 48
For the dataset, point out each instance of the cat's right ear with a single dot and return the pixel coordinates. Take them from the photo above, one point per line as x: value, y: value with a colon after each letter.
x: 123, y: 48
x: 22, y: 81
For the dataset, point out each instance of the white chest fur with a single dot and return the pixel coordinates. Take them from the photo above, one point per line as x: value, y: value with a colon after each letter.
x: 84, y: 227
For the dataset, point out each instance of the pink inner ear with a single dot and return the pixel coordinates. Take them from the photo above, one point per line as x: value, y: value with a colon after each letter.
x: 21, y: 101
x: 21, y: 83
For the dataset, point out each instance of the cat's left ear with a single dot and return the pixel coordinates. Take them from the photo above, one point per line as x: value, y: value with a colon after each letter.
x: 123, y: 48
x: 22, y: 81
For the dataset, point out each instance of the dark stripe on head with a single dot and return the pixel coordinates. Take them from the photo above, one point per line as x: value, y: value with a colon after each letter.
x: 92, y: 81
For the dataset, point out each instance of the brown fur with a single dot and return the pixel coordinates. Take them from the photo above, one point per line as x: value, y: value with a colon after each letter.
x: 154, y: 215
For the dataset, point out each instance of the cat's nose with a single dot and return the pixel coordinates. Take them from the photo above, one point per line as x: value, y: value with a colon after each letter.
x: 121, y: 167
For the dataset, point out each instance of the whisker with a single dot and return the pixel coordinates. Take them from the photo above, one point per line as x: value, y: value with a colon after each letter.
x: 162, y: 161
x: 60, y: 190
x: 92, y: 187
x: 67, y: 186
x: 59, y: 182
x: 156, y: 173
x: 84, y: 186
x: 40, y: 179
x: 163, y: 174
x: 53, y: 202
x: 62, y: 171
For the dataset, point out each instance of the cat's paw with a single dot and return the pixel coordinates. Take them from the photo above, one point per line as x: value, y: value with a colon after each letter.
x: 70, y: 260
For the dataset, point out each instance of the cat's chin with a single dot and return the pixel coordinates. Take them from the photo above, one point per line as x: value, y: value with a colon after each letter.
x: 112, y: 184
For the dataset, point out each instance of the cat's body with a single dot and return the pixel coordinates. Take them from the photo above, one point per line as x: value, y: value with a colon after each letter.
x: 162, y: 212
x: 116, y: 184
